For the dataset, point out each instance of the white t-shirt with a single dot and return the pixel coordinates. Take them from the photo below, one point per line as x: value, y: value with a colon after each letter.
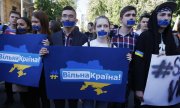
x: 138, y: 32
x: 96, y: 43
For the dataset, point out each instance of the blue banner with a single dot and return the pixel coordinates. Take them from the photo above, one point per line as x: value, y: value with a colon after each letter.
x: 20, y: 62
x: 86, y: 73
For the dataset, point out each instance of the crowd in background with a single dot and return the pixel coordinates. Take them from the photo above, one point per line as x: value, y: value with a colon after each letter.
x: 152, y: 30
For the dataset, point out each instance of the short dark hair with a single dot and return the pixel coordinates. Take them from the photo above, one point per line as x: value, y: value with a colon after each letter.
x: 127, y: 8
x: 14, y: 12
x: 90, y: 23
x: 116, y: 26
x: 144, y: 15
x: 69, y: 8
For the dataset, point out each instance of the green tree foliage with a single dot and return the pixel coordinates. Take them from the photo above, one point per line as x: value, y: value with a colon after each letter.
x: 178, y: 7
x: 111, y: 8
x: 53, y: 8
x: 97, y: 7
x: 113, y: 11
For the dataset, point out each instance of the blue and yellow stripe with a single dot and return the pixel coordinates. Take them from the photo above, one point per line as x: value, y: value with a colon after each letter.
x: 139, y: 53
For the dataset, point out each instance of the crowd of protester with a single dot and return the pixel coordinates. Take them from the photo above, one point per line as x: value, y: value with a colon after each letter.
x: 152, y: 30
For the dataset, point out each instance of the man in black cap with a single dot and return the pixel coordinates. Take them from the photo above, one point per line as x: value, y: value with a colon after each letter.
x: 157, y: 39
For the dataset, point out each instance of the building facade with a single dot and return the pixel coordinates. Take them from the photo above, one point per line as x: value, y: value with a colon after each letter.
x: 7, y: 5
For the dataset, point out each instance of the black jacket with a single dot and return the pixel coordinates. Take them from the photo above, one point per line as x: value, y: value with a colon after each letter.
x: 148, y: 43
x: 78, y: 38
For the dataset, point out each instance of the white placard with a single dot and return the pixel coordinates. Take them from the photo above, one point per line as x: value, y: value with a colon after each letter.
x: 163, y: 83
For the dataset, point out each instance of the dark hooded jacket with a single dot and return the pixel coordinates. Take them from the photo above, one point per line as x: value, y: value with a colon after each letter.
x: 148, y: 43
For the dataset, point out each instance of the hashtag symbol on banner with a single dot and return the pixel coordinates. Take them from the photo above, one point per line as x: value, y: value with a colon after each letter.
x: 163, y: 69
x: 54, y: 75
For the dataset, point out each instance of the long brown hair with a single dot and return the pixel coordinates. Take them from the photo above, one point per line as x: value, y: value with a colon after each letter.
x: 43, y: 18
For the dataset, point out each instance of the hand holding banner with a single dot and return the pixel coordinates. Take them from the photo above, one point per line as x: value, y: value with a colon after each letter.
x: 86, y: 73
x: 20, y: 61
